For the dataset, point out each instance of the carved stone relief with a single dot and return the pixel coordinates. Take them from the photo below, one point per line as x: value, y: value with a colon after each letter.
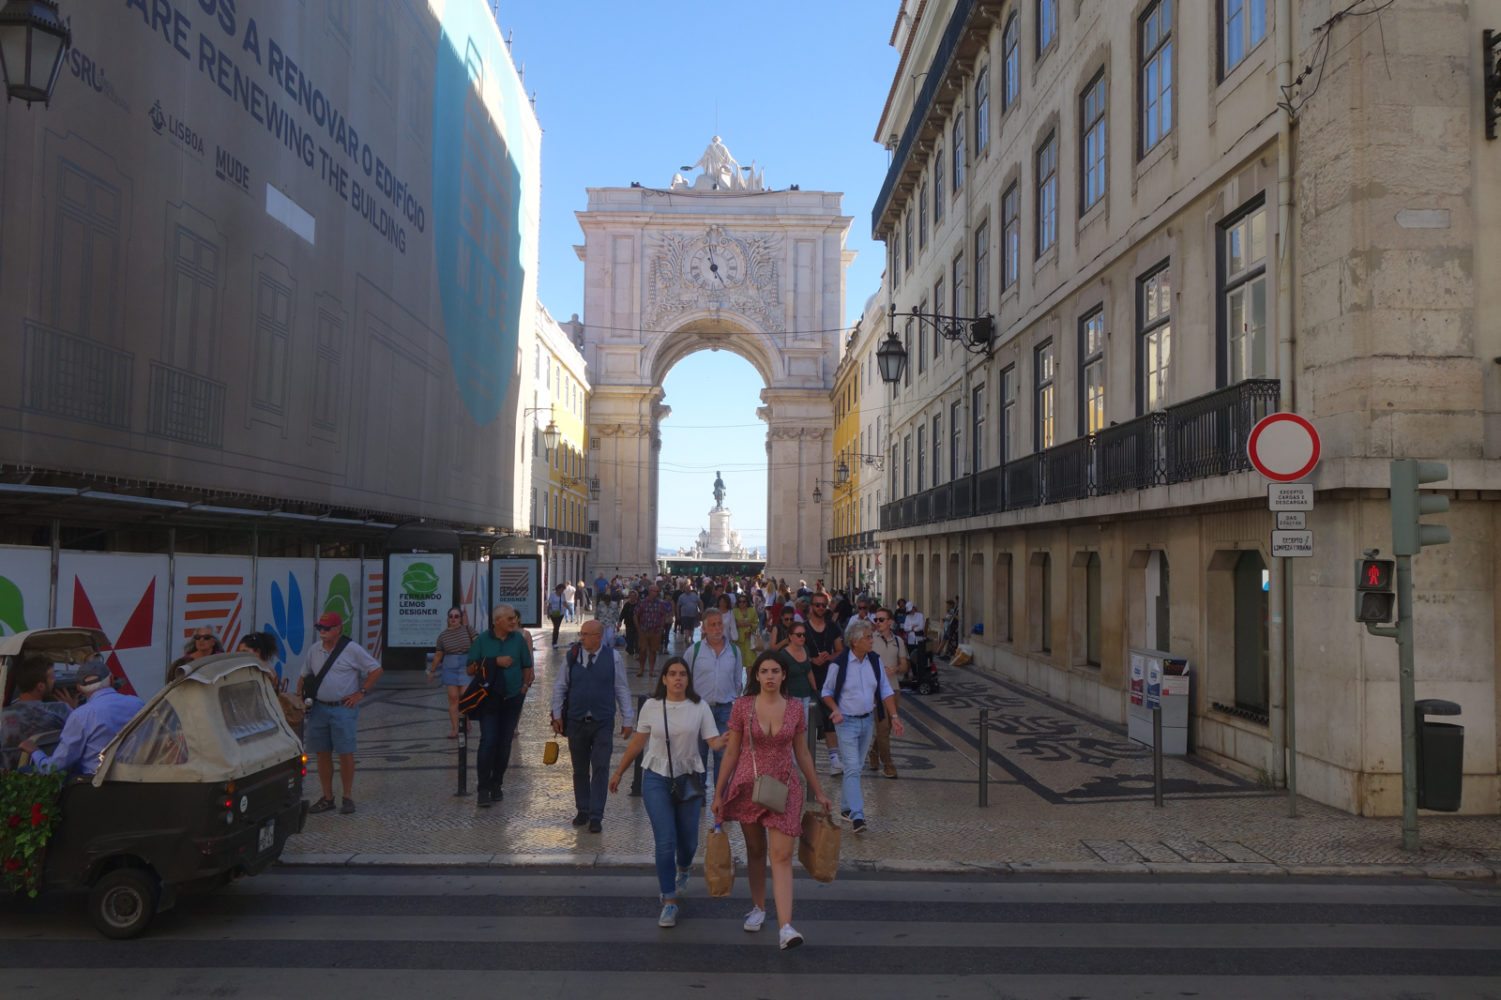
x: 688, y: 272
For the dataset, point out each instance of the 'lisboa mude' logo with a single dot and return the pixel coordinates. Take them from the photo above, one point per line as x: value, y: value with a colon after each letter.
x: 158, y: 117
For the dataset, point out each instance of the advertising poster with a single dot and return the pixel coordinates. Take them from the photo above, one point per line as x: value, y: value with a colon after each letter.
x: 285, y: 603
x: 374, y: 590
x: 125, y: 597
x: 421, y: 592
x: 25, y: 579
x: 213, y: 591
x: 339, y: 592
x: 517, y: 581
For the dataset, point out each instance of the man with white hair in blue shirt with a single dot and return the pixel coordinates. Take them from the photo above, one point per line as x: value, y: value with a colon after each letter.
x: 858, y: 695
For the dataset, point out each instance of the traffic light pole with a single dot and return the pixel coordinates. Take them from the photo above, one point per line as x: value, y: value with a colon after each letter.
x: 1407, y: 685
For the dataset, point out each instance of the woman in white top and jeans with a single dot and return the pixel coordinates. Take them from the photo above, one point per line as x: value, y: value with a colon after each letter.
x: 674, y: 825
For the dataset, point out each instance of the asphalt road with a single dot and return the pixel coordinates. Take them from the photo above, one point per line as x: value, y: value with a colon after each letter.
x: 402, y: 932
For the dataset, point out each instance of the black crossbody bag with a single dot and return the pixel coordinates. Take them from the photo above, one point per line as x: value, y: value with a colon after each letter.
x: 685, y: 787
x: 311, y: 685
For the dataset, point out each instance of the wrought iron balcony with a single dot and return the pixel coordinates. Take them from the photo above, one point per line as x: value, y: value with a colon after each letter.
x: 851, y: 543
x: 1202, y: 437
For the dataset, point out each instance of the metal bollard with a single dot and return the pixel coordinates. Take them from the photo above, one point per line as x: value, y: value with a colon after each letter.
x: 1157, y: 756
x: 984, y: 757
x: 463, y: 745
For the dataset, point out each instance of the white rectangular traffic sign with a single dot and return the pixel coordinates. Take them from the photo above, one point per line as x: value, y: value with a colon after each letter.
x: 1292, y: 544
x: 1289, y: 496
x: 1288, y: 520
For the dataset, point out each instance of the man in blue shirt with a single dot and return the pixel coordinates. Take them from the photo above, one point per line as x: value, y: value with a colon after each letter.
x: 858, y: 695
x: 90, y: 727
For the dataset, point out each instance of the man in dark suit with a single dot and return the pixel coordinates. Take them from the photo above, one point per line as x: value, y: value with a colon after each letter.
x: 591, y: 684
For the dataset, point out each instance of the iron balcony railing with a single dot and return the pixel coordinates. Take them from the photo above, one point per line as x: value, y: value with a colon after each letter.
x: 852, y: 543
x: 1202, y: 437
x: 932, y: 83
x: 567, y: 539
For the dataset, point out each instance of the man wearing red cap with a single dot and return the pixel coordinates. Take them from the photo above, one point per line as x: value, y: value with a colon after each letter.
x: 333, y: 717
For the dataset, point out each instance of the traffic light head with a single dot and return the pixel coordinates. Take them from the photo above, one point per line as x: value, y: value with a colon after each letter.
x: 1409, y: 533
x: 1374, y: 598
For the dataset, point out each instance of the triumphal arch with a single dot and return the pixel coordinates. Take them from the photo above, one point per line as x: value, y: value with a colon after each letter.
x: 717, y: 261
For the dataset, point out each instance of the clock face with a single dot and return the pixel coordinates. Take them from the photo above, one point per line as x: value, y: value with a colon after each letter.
x: 715, y: 265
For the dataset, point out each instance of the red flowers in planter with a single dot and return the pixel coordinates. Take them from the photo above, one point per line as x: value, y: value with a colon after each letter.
x: 37, y: 816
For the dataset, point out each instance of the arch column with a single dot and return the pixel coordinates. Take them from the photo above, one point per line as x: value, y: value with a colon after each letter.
x: 799, y: 452
x: 624, y: 424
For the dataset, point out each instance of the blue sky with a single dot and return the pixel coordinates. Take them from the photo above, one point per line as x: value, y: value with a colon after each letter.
x: 629, y: 92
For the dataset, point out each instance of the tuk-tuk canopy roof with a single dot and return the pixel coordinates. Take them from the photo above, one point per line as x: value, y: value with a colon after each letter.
x: 74, y: 645
x: 218, y: 722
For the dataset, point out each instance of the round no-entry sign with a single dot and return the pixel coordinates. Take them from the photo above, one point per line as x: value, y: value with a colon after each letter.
x: 1283, y: 447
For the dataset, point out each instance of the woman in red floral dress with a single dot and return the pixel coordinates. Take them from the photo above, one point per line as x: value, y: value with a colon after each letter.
x: 769, y: 724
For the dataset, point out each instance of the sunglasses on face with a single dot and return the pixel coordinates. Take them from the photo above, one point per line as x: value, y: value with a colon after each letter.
x: 323, y: 628
x: 799, y: 635
x: 202, y: 637
x: 879, y: 620
x: 820, y: 605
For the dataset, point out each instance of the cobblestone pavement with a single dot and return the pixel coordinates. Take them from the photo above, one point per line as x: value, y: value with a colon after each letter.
x: 1066, y: 793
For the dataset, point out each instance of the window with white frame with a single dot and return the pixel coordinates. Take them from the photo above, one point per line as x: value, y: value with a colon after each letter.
x: 907, y: 346
x: 1011, y: 235
x: 1156, y: 68
x: 938, y: 301
x: 957, y: 142
x: 896, y: 259
x: 1155, y: 335
x: 1092, y: 372
x: 906, y: 465
x: 938, y: 449
x: 1008, y: 414
x: 938, y: 188
x: 976, y: 427
x: 907, y: 240
x: 921, y: 456
x: 1092, y: 143
x: 922, y: 217
x: 1047, y: 194
x: 1045, y: 396
x: 982, y: 109
x: 1047, y: 24
x: 982, y: 269
x: 958, y: 305
x: 922, y: 342
x: 1243, y: 242
x: 1011, y: 63
x: 1242, y: 27
x: 955, y: 421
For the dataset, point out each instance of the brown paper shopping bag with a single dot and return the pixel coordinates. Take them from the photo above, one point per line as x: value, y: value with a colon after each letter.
x: 719, y: 865
x: 819, y: 849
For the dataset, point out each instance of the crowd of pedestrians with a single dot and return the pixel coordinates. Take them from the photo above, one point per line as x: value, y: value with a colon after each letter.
x: 762, y: 672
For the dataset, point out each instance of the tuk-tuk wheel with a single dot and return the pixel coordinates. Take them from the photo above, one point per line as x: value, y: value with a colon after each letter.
x: 925, y: 687
x: 123, y: 902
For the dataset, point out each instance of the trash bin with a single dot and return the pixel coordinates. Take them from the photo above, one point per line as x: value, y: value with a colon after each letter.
x: 1441, y: 756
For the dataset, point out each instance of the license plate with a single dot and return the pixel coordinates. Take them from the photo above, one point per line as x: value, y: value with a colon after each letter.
x: 267, y: 836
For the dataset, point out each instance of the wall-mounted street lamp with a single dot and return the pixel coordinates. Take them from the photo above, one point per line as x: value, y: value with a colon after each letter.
x: 842, y: 472
x: 33, y: 39
x: 818, y: 493
x: 550, y: 433
x: 891, y: 358
x: 975, y: 333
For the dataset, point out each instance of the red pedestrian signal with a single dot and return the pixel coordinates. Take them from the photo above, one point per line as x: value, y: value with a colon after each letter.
x: 1375, y: 600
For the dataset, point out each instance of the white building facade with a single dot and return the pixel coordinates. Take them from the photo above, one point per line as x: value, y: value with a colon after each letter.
x: 1102, y: 180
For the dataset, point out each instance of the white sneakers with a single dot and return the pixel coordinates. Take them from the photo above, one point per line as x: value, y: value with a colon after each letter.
x: 754, y: 919
x: 835, y: 767
x: 789, y: 938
